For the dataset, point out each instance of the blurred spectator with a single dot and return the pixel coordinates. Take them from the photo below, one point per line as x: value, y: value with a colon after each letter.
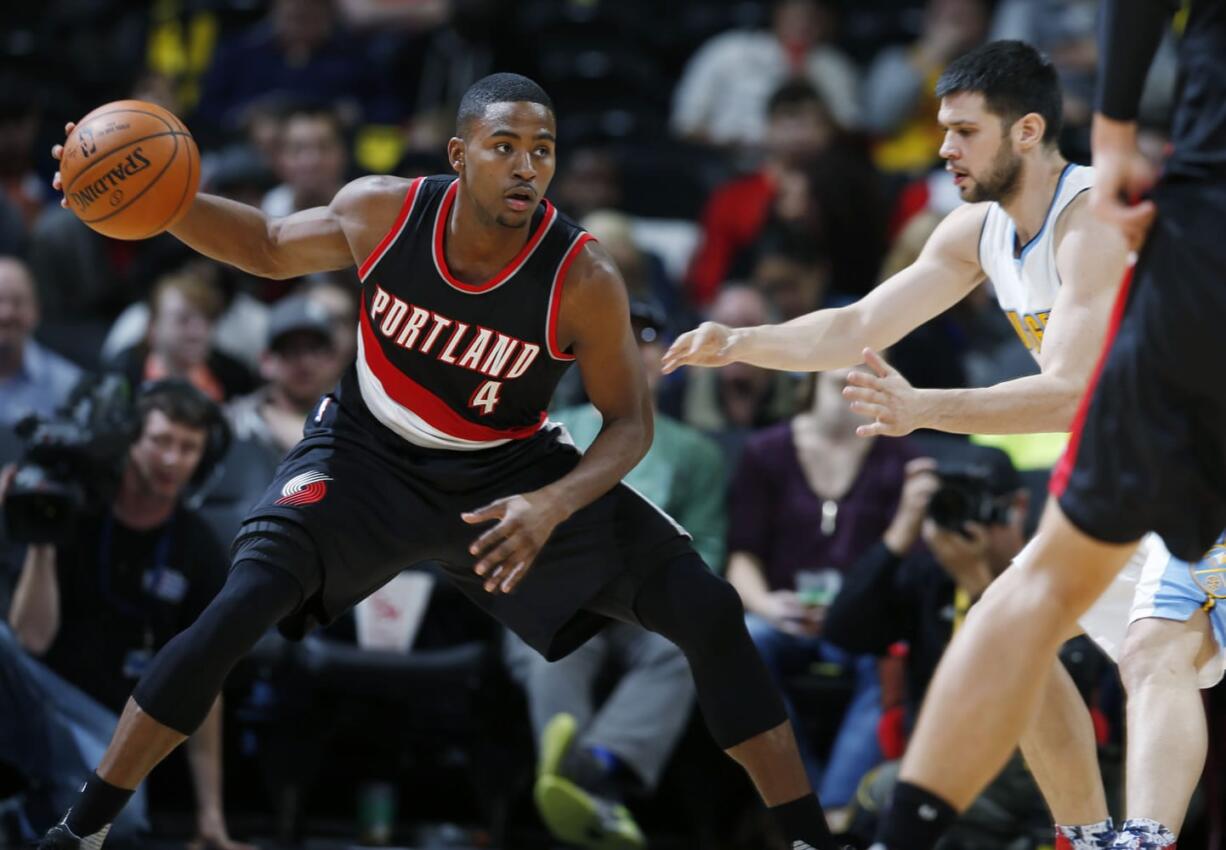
x: 602, y: 752
x: 846, y: 214
x: 23, y: 193
x: 792, y: 272
x: 798, y: 128
x: 88, y: 615
x: 238, y: 332
x: 726, y: 84
x: 899, y: 105
x: 312, y: 162
x: 936, y: 353
x: 808, y: 499
x: 300, y: 50
x: 340, y: 298
x: 644, y: 272
x: 33, y: 379
x: 299, y: 366
x: 730, y: 402
x: 183, y: 311
x: 238, y: 172
x: 589, y: 179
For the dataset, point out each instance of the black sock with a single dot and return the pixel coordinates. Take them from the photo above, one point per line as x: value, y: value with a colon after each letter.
x: 916, y: 819
x: 804, y: 820
x: 99, y: 804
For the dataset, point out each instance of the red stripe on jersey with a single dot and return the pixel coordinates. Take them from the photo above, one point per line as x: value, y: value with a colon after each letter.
x: 390, y: 236
x: 555, y: 296
x: 1064, y: 469
x: 413, y: 396
x: 440, y: 256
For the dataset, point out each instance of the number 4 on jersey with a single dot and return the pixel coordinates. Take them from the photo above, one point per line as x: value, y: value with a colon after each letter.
x: 486, y: 397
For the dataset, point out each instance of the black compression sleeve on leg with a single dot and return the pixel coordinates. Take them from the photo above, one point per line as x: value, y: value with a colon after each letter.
x: 182, y: 682
x: 703, y: 615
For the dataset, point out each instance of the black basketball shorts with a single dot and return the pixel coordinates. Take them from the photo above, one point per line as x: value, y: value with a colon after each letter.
x: 353, y: 504
x: 1148, y: 451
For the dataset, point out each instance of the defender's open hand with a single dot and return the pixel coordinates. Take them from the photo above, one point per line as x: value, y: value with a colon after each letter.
x: 884, y: 396
x: 706, y: 345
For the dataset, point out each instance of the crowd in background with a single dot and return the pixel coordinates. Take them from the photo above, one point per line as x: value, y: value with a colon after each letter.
x: 745, y: 161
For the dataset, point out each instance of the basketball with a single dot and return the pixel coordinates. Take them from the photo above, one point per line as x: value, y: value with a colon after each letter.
x: 130, y: 169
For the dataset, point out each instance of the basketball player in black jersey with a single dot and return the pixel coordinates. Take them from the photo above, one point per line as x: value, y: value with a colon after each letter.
x: 477, y: 294
x: 1148, y: 451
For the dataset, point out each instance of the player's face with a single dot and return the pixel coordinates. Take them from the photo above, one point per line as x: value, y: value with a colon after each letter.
x: 977, y: 149
x: 508, y: 161
x: 166, y: 454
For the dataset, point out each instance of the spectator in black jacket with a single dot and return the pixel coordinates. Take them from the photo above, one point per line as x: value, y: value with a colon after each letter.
x: 898, y: 592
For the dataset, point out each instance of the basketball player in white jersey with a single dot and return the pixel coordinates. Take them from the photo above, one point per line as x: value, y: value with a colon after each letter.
x: 1055, y: 269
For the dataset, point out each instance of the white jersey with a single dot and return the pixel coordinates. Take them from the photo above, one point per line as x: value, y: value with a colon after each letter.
x: 1025, y: 276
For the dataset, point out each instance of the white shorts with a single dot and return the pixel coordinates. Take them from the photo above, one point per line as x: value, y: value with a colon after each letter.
x: 1155, y: 583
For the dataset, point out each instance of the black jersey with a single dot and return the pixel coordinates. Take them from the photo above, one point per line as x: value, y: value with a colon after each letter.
x: 452, y: 365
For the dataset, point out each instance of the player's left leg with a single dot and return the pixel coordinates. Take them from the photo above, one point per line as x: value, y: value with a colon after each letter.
x: 1062, y: 754
x: 1167, y: 734
x: 703, y: 615
x: 988, y: 685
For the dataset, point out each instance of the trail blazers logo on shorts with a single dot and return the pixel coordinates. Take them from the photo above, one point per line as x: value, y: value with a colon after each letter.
x: 305, y: 489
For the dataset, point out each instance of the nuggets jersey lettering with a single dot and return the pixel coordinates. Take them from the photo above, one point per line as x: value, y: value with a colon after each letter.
x: 451, y: 365
x: 1025, y: 276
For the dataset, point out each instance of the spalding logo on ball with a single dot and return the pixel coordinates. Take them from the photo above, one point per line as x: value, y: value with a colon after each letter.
x: 130, y: 169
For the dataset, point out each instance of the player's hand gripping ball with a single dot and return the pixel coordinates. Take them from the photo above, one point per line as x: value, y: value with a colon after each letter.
x: 129, y: 169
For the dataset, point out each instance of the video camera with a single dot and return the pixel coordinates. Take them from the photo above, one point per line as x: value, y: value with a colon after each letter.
x: 966, y: 495
x: 72, y: 461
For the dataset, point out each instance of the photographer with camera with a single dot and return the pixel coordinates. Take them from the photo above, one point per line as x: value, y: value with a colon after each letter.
x: 970, y: 511
x: 971, y: 518
x: 93, y: 605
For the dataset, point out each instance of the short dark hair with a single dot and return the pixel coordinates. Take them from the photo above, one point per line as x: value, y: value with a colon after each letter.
x: 315, y: 111
x: 498, y: 88
x: 1014, y: 79
x: 795, y: 92
x: 179, y: 401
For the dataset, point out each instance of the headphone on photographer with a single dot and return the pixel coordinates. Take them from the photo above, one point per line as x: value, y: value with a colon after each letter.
x: 178, y: 391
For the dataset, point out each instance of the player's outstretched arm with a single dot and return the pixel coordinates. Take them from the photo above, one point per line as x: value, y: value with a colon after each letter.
x: 313, y: 240
x: 946, y: 270
x: 1091, y: 257
x: 243, y: 236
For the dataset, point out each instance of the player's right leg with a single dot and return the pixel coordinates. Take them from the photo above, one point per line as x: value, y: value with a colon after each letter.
x: 1167, y: 733
x: 989, y: 683
x: 176, y: 693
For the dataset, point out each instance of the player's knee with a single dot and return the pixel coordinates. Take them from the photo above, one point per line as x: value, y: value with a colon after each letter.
x: 691, y: 607
x: 723, y: 613
x: 1158, y: 651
